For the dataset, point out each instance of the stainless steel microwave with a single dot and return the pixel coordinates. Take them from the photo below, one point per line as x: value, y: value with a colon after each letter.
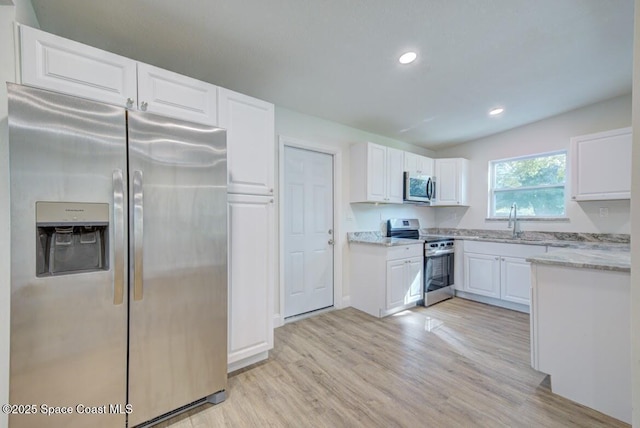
x: 419, y: 187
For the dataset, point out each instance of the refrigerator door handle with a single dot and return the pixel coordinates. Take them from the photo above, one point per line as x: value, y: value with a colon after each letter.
x: 118, y: 234
x: 137, y: 234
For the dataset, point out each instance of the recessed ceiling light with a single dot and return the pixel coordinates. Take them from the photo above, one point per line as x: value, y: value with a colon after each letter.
x: 495, y: 111
x: 407, y: 57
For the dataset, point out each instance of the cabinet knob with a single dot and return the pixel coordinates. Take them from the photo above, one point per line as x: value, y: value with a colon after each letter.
x: 330, y: 242
x: 130, y: 102
x: 144, y: 105
x: 497, y: 258
x: 270, y: 190
x: 270, y: 201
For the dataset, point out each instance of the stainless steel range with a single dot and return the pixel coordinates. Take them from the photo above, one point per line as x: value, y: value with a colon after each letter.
x: 438, y: 258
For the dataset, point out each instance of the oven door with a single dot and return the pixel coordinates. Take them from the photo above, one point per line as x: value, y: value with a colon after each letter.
x: 438, y: 271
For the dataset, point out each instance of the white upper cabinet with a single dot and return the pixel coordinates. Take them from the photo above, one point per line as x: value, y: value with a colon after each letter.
x: 174, y: 95
x: 376, y: 173
x: 601, y: 166
x: 394, y: 175
x: 418, y: 164
x: 250, y: 142
x: 62, y: 65
x: 452, y: 181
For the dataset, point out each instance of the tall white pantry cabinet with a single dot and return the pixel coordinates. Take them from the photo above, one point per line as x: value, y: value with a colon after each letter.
x: 251, y: 155
x: 58, y: 64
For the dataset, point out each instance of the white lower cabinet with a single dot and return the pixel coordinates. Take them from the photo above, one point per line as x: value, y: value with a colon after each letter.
x: 482, y: 274
x: 515, y: 280
x: 384, y: 279
x: 251, y: 279
x: 499, y: 272
x: 580, y: 330
x: 404, y: 283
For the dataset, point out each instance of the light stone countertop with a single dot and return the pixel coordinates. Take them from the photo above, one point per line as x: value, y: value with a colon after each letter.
x: 590, y: 259
x: 595, y: 251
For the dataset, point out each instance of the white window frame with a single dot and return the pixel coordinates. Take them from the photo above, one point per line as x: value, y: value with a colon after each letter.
x: 492, y: 190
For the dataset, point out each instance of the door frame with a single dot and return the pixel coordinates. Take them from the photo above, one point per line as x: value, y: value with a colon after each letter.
x: 339, y: 240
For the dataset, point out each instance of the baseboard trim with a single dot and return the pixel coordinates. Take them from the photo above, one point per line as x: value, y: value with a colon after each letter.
x: 492, y: 301
x: 278, y: 320
x: 346, y: 302
x: 237, y: 365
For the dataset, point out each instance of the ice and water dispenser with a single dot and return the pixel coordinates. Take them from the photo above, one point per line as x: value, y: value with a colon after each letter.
x: 71, y: 237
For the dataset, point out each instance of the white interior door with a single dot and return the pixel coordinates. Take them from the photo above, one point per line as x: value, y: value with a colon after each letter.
x: 308, y: 231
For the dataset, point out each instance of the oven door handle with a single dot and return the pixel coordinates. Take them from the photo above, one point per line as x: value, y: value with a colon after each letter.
x: 438, y: 253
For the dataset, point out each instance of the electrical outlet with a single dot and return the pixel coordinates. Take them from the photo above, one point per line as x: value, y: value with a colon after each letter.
x: 604, y: 212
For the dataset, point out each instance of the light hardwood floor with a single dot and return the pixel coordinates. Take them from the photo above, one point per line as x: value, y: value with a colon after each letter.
x: 455, y: 364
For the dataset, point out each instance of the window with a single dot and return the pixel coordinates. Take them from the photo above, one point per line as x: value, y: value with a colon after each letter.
x: 536, y: 183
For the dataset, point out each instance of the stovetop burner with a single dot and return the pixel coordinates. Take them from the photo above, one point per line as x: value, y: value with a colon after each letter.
x: 403, y: 228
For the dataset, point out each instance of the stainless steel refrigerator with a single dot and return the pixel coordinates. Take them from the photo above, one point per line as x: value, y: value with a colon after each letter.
x: 118, y: 263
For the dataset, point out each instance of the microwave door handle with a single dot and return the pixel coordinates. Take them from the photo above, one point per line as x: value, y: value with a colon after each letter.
x: 429, y: 188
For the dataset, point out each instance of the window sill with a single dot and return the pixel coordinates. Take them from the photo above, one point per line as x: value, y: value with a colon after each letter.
x: 527, y: 219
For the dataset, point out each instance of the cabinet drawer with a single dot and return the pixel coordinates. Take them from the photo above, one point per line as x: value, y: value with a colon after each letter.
x: 405, y: 251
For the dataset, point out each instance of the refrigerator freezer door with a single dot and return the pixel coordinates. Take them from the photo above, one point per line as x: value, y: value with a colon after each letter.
x: 178, y: 224
x: 68, y: 332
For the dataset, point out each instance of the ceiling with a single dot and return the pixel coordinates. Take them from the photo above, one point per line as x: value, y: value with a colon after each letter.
x: 337, y: 59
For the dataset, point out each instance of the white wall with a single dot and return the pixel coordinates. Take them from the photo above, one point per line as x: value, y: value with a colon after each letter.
x: 354, y: 217
x: 544, y: 136
x: 22, y: 12
x: 635, y: 227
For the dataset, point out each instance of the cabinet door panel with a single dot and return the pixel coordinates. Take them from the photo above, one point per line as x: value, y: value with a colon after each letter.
x: 251, y: 276
x: 396, y: 289
x: 425, y: 165
x: 174, y: 95
x: 410, y: 162
x: 376, y: 173
x: 250, y: 142
x: 601, y: 166
x: 446, y: 182
x: 515, y: 280
x: 415, y: 279
x: 69, y: 67
x: 482, y: 274
x: 394, y: 175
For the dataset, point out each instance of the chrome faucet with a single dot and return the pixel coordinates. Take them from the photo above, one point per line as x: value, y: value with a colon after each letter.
x: 516, y: 226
